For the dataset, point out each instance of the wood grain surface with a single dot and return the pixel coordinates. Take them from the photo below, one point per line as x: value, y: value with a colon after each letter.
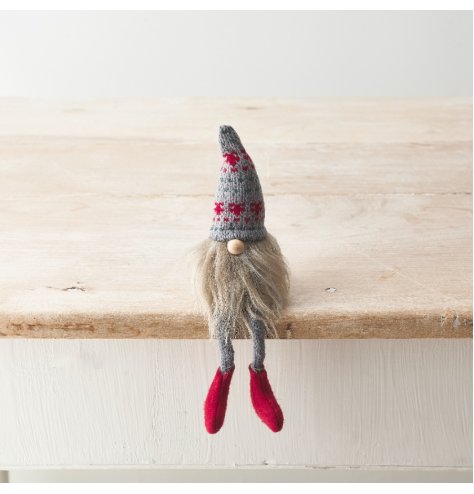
x: 101, y: 202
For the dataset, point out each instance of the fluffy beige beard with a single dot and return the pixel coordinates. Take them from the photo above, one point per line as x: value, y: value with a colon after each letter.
x: 236, y: 289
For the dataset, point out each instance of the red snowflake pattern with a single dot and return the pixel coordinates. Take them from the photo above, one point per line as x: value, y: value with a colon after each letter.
x: 247, y: 157
x: 218, y: 208
x: 232, y: 158
x: 256, y: 207
x: 236, y: 208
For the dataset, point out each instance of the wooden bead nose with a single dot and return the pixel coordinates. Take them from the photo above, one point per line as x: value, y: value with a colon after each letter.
x: 235, y: 246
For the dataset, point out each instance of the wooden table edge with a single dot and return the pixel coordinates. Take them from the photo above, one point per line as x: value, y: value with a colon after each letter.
x: 293, y: 325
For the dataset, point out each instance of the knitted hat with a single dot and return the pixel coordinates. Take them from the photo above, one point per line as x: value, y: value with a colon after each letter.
x: 239, y: 210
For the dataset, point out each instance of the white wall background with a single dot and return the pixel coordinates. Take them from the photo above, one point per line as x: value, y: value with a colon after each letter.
x: 383, y: 406
x: 371, y: 53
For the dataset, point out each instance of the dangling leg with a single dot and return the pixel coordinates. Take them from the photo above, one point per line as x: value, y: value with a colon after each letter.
x: 227, y: 352
x: 258, y: 333
x: 216, y: 401
x: 263, y: 399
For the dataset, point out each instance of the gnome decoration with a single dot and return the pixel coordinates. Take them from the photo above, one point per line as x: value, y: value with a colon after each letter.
x: 244, y: 282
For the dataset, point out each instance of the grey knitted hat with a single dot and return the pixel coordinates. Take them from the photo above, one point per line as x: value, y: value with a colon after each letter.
x: 239, y: 210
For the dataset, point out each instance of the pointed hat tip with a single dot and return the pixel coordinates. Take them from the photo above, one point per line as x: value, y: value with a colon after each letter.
x: 229, y: 139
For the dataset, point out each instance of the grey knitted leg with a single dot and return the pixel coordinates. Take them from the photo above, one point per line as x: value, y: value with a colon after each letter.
x: 227, y: 352
x: 258, y: 330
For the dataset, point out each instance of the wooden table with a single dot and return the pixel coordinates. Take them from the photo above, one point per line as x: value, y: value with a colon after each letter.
x: 100, y: 203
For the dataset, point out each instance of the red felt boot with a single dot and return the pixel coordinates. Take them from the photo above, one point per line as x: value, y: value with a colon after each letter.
x: 263, y: 400
x: 216, y: 401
